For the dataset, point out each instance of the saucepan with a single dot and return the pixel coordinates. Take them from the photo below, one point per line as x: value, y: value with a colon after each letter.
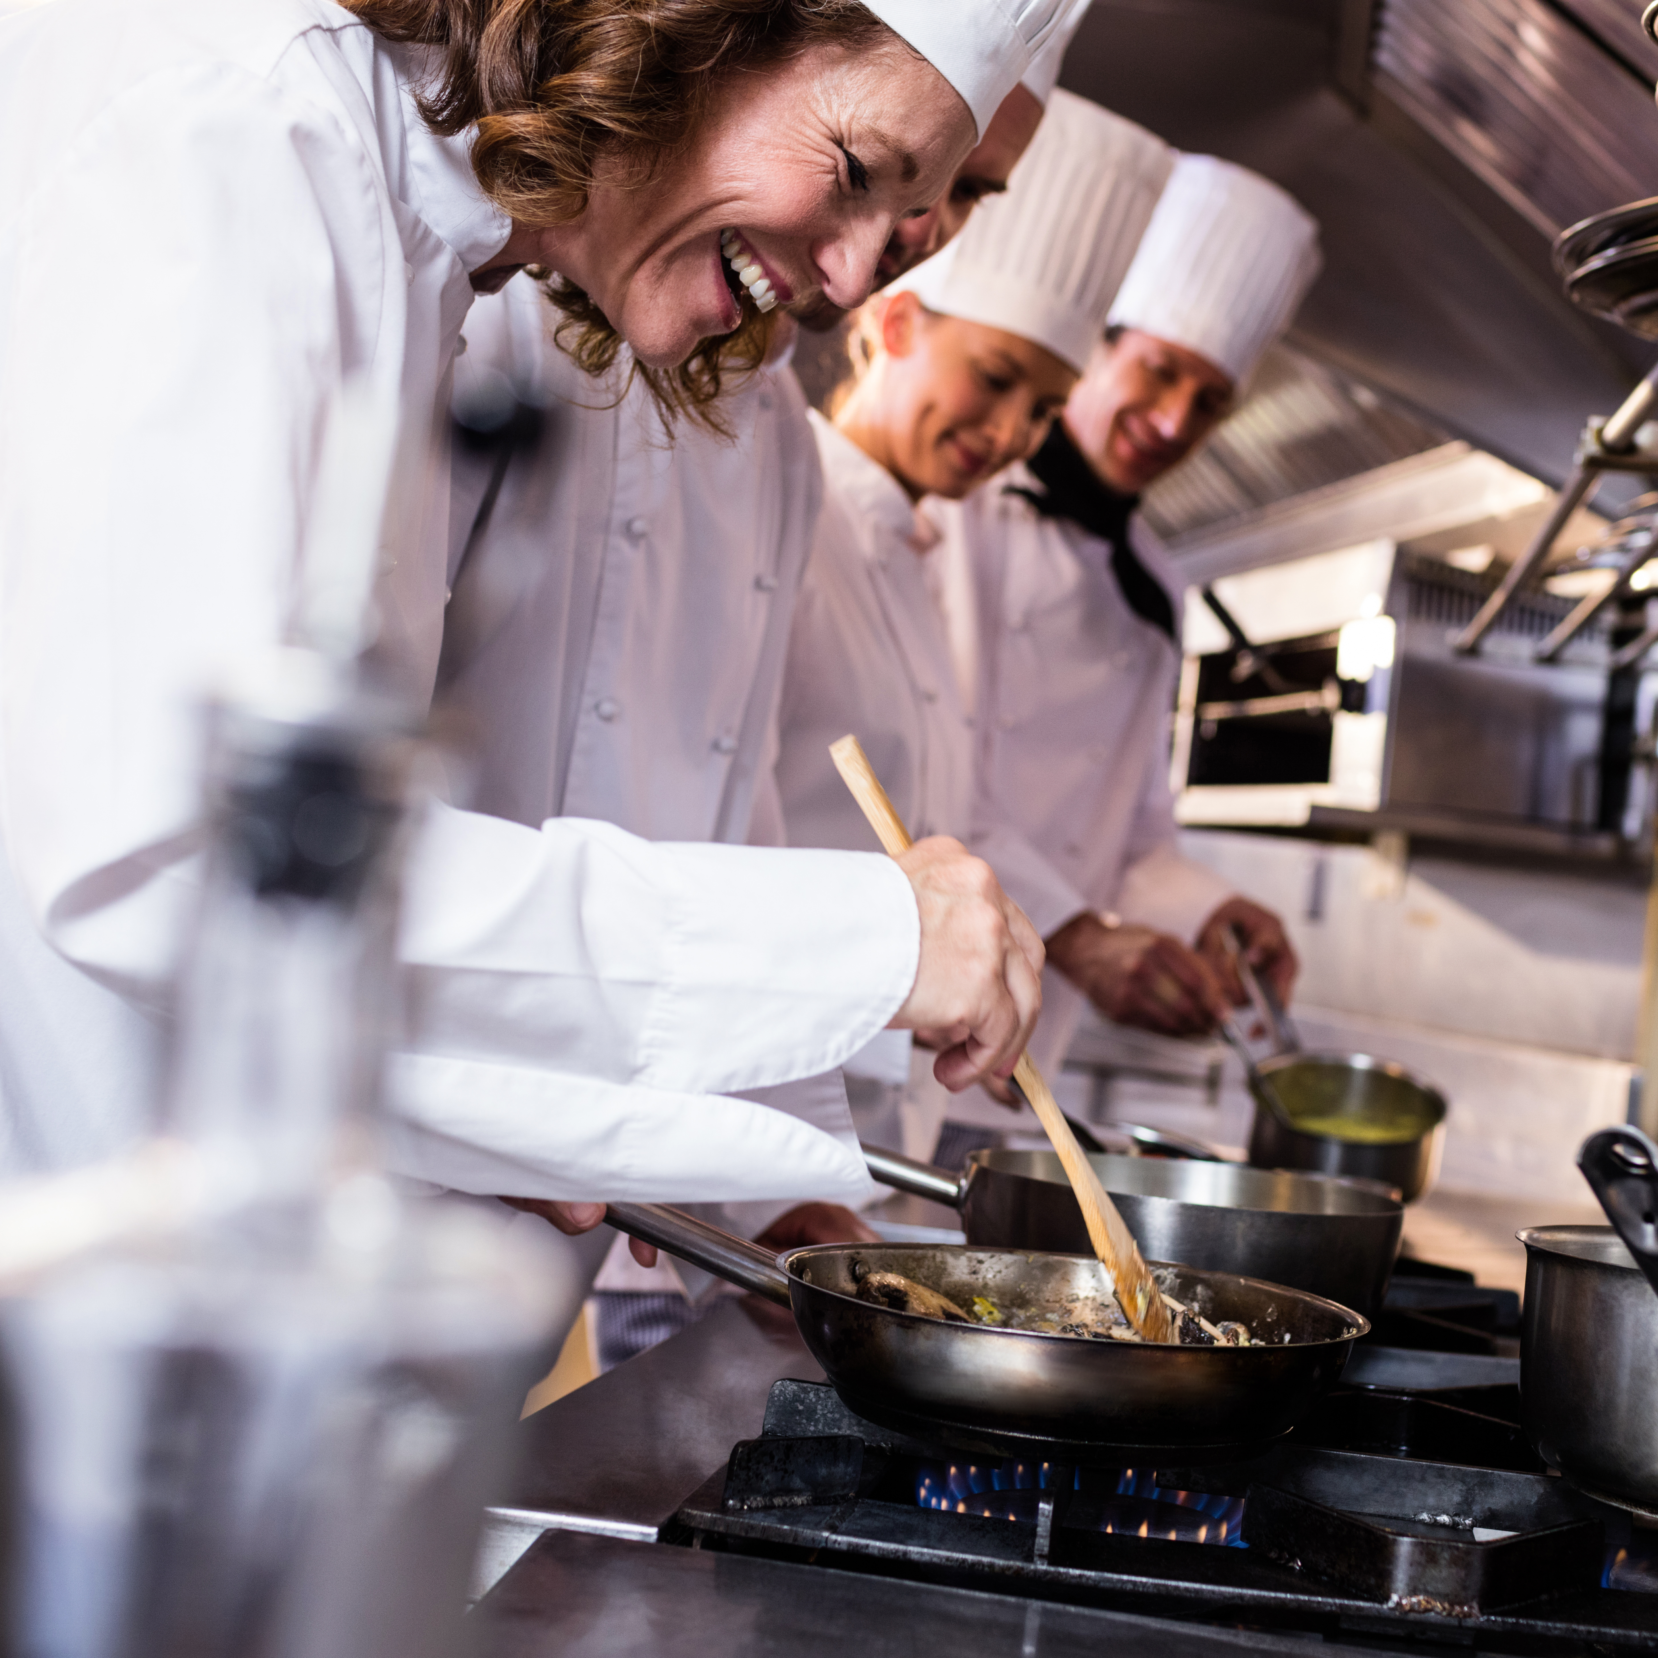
x: 1589, y: 1359
x: 1334, y: 1113
x: 1331, y: 1237
x: 1014, y: 1392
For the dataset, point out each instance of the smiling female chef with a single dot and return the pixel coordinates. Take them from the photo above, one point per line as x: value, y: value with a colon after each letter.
x: 617, y: 632
x: 210, y: 215
x: 968, y: 362
x: 1076, y: 636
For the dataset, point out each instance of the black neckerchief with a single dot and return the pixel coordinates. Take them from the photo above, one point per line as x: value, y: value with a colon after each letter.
x: 1071, y: 489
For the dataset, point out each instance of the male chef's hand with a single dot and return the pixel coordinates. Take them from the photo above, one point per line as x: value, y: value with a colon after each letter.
x: 816, y: 1223
x: 572, y: 1219
x: 1266, y: 945
x: 978, y: 987
x: 1138, y: 976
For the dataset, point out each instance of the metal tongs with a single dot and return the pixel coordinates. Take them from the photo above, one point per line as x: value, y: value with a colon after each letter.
x: 1281, y: 1031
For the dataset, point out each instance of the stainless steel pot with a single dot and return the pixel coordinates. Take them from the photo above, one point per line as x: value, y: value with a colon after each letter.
x: 1331, y: 1237
x: 1589, y: 1363
x: 1364, y: 1098
x: 1015, y: 1392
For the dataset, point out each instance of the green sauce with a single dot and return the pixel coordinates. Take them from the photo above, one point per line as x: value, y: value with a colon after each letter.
x: 1361, y: 1107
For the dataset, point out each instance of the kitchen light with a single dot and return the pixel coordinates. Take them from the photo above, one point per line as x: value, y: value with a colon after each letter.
x: 1363, y: 646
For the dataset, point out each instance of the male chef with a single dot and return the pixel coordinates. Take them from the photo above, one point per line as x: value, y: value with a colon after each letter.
x: 1070, y: 613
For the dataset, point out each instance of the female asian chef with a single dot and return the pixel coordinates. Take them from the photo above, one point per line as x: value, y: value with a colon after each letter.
x: 1070, y: 611
x: 210, y: 217
x: 967, y: 364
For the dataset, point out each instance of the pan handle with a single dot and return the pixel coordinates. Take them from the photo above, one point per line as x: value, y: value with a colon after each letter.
x: 904, y: 1174
x: 1622, y: 1166
x: 736, y: 1260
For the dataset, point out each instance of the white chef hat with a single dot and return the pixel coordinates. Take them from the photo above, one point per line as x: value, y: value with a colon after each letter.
x: 1044, y: 259
x: 1043, y: 74
x: 1223, y: 267
x: 983, y: 48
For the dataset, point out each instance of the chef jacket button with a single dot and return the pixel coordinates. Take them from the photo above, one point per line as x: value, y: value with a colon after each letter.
x: 766, y: 584
x: 607, y: 708
x: 724, y: 744
x: 765, y: 400
x: 636, y: 528
x: 928, y: 694
x: 408, y: 272
x: 460, y: 346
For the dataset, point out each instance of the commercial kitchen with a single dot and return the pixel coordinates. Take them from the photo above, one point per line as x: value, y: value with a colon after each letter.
x: 421, y: 840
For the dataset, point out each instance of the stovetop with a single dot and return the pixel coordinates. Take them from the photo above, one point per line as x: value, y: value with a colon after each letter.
x: 1407, y: 1513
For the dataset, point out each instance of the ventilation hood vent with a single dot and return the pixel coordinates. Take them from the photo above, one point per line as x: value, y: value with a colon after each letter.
x: 1528, y: 99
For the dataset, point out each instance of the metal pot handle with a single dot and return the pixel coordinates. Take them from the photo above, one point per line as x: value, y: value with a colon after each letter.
x: 1162, y: 1142
x: 747, y: 1265
x: 1621, y: 1164
x: 904, y: 1174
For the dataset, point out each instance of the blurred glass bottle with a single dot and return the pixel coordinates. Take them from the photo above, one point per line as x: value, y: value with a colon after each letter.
x: 266, y: 1428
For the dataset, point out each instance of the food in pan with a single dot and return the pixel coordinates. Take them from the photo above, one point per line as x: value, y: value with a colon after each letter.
x: 1090, y: 1317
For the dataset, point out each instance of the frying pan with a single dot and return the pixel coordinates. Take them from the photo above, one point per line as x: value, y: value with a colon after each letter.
x: 1014, y: 1392
x: 1314, y: 1232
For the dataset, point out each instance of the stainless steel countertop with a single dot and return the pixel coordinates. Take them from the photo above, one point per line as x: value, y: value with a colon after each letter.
x: 619, y: 1455
x: 577, y: 1596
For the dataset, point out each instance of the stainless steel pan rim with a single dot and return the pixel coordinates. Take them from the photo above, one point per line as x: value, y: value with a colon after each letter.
x: 1330, y: 1235
x: 1433, y: 1100
x: 1024, y: 1387
x: 1352, y: 1325
x: 1599, y: 1245
x: 1297, y: 1191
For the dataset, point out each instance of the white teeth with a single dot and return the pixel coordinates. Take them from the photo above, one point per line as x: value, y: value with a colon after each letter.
x: 748, y: 270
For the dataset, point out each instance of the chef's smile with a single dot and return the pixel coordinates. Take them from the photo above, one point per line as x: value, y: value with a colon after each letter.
x: 747, y: 273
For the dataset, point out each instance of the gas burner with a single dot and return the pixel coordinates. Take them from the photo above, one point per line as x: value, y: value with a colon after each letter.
x: 1126, y: 1501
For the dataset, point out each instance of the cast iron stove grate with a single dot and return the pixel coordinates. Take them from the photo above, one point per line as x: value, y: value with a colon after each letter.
x: 1387, y: 1512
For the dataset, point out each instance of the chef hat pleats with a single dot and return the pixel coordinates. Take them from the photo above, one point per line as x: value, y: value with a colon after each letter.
x: 983, y: 48
x: 1044, y: 259
x: 1043, y: 75
x: 1223, y: 267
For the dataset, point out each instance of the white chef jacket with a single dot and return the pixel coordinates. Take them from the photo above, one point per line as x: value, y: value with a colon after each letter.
x: 616, y: 637
x: 869, y: 654
x: 209, y: 214
x: 1074, y: 698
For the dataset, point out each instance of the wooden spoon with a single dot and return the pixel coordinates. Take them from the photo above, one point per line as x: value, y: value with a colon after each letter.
x: 1131, y: 1280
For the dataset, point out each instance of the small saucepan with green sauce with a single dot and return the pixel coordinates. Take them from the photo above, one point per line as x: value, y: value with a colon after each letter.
x: 1347, y: 1114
